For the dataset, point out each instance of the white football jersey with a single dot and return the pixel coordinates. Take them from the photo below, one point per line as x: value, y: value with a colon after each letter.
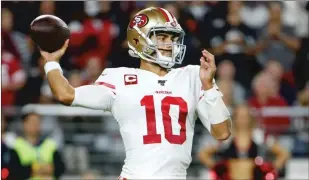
x: 156, y: 116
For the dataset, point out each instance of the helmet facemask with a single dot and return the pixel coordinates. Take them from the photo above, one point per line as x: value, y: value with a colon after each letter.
x: 151, y: 51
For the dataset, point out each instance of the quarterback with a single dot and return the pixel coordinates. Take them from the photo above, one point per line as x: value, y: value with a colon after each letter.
x: 155, y: 106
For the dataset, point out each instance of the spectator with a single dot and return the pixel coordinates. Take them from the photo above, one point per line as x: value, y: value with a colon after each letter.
x: 93, y: 70
x: 297, y: 9
x: 6, y: 27
x: 47, y: 7
x: 11, y: 168
x: 233, y: 92
x: 19, y: 9
x: 189, y: 18
x: 255, y: 14
x: 75, y: 79
x: 105, y: 10
x: 38, y: 154
x: 120, y: 45
x: 277, y: 40
x: 240, y: 154
x: 13, y: 78
x: 87, y: 40
x: 213, y: 19
x: 232, y: 41
x: 31, y: 92
x: 234, y: 37
x: 266, y: 94
x: 14, y: 41
x: 91, y: 8
x: 275, y: 69
x: 197, y: 9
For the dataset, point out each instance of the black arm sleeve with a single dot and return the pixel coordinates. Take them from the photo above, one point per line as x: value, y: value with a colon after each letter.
x: 59, y: 167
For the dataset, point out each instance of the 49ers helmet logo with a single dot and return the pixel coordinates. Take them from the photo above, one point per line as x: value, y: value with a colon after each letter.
x: 140, y: 20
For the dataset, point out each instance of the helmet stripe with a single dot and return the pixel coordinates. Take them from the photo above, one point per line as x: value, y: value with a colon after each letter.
x: 166, y: 14
x: 172, y: 15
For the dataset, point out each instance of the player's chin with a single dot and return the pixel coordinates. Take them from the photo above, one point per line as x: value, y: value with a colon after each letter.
x: 166, y: 54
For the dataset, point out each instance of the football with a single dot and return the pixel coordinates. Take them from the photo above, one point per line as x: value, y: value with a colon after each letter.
x: 49, y: 32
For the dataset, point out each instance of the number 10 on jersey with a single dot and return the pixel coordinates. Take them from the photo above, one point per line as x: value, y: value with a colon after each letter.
x: 152, y: 136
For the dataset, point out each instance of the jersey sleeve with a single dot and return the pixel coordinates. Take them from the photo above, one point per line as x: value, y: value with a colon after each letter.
x: 98, y: 96
x: 108, y: 80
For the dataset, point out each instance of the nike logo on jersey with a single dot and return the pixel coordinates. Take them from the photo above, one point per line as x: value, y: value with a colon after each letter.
x: 162, y: 82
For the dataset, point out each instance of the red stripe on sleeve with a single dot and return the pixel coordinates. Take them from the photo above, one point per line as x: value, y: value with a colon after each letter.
x: 106, y: 84
x: 201, y: 97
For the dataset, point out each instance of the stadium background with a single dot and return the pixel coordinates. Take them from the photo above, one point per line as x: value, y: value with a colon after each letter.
x: 90, y: 141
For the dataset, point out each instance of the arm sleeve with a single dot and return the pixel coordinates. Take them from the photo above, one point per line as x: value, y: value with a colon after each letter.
x: 94, y: 97
x: 59, y: 167
x: 211, y: 108
x: 99, y: 96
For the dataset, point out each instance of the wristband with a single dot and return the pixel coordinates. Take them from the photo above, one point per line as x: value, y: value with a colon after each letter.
x: 211, y: 95
x: 51, y: 65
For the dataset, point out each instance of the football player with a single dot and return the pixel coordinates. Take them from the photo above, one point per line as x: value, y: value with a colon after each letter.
x: 155, y: 106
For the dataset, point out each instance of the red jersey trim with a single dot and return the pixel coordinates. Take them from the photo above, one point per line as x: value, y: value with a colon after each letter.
x: 201, y: 97
x: 106, y: 84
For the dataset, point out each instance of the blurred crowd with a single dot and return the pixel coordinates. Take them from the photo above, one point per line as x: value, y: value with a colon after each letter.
x: 261, y: 49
